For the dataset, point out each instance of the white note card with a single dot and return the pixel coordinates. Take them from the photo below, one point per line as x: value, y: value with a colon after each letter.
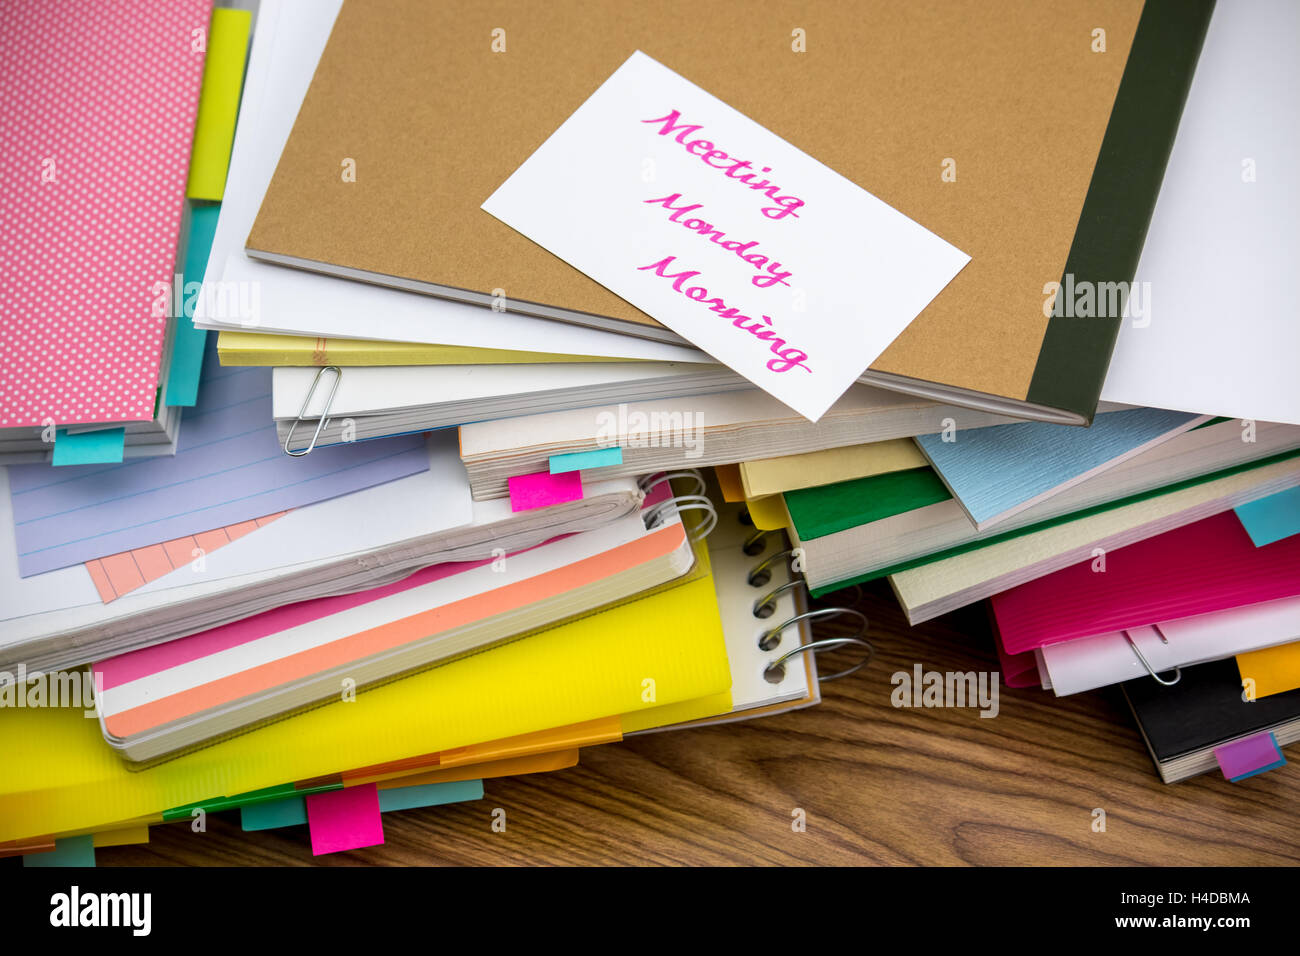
x: 763, y: 257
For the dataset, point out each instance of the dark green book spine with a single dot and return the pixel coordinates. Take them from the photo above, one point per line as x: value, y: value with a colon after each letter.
x: 1076, y: 350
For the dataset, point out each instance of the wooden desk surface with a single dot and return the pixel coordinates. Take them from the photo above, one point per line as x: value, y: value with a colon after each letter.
x: 878, y: 785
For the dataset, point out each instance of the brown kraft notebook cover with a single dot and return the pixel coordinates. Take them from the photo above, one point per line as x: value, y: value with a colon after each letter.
x: 1003, y: 129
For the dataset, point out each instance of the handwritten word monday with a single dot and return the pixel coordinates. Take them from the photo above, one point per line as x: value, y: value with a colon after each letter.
x: 787, y: 357
x: 774, y: 274
x: 718, y: 159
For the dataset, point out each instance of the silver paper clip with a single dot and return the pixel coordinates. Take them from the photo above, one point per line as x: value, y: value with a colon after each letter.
x: 1178, y: 671
x: 324, y: 416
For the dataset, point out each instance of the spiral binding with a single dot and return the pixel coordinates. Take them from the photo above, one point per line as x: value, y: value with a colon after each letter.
x: 765, y: 606
x: 759, y: 575
x: 695, y: 501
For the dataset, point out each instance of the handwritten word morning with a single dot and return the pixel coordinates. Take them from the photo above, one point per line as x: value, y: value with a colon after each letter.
x: 764, y: 280
x: 704, y: 149
x: 787, y: 357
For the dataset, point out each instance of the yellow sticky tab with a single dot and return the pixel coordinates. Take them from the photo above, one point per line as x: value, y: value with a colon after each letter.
x: 223, y: 79
x: 1273, y: 669
x: 122, y: 837
x: 768, y: 513
x: 729, y: 482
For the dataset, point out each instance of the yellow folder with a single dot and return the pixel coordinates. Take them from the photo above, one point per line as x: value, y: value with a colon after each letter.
x: 665, y: 648
x: 265, y: 348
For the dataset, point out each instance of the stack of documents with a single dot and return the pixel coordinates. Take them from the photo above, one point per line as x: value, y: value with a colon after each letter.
x: 537, y: 411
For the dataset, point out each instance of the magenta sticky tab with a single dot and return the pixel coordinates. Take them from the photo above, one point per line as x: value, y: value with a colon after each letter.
x: 1246, y: 758
x: 543, y: 489
x: 344, y: 819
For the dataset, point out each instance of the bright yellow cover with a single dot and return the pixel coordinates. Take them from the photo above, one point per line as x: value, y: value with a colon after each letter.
x: 223, y: 78
x: 265, y: 348
x: 1274, y: 669
x: 61, y: 776
x: 770, y: 476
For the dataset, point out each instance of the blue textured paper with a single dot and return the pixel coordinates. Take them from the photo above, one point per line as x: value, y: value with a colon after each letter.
x: 993, y: 470
x: 1273, y: 518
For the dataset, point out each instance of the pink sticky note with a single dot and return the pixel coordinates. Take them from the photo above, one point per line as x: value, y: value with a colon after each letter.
x: 1245, y: 758
x: 344, y: 819
x: 542, y: 489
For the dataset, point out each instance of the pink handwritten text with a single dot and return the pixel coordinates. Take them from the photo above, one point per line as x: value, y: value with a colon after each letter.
x: 787, y: 357
x: 731, y: 167
x: 764, y: 280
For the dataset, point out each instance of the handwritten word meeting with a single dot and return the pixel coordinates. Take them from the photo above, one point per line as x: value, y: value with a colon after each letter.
x: 770, y: 272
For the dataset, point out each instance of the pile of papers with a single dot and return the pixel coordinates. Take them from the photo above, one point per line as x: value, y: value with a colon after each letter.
x: 375, y: 423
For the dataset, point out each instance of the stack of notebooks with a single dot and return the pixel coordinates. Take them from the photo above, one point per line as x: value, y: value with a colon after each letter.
x: 535, y: 411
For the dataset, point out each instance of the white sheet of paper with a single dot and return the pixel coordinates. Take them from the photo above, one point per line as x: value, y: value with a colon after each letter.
x: 1218, y: 331
x: 766, y: 259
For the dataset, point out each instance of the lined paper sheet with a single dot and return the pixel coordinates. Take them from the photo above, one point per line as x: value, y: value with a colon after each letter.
x: 228, y: 468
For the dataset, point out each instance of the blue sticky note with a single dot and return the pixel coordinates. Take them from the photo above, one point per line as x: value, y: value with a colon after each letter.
x: 68, y: 851
x: 273, y: 814
x: 187, y: 341
x: 429, y: 795
x: 103, y: 447
x: 582, y: 460
x: 996, y: 471
x: 1271, y: 519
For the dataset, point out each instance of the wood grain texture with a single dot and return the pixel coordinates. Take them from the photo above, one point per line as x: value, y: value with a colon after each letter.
x: 878, y: 784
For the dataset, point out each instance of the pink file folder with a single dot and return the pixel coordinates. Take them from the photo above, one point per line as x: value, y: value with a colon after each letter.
x: 98, y: 120
x: 1210, y: 565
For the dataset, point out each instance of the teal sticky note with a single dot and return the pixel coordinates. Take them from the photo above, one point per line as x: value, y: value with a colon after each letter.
x: 102, y: 447
x: 582, y: 460
x: 188, y: 342
x: 429, y: 795
x: 273, y: 814
x: 68, y: 851
x: 1271, y: 519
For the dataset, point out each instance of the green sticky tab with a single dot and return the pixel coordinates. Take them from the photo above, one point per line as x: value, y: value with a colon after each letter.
x: 102, y: 447
x: 223, y: 78
x: 217, y: 804
x: 581, y: 460
x: 68, y: 851
x: 188, y: 342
